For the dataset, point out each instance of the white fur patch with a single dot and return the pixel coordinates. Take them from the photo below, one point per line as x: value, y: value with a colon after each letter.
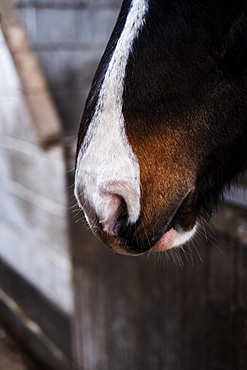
x: 106, y: 163
x: 184, y: 236
x: 173, y: 238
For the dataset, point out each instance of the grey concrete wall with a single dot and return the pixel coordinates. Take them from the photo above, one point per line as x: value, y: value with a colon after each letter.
x: 69, y: 37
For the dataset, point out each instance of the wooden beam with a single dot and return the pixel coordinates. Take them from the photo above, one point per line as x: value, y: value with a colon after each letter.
x: 42, y: 110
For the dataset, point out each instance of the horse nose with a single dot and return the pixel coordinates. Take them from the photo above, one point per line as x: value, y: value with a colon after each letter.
x: 111, y: 207
x: 110, y: 212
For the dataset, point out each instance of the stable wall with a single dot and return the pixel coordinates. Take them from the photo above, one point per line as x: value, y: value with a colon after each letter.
x: 69, y: 37
x: 140, y: 313
x: 34, y: 238
x: 36, y: 262
x: 36, y: 272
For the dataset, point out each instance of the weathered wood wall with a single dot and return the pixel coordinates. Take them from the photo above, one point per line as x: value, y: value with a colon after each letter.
x: 33, y: 208
x: 35, y: 259
x: 154, y: 313
x: 35, y: 255
x: 69, y: 37
x: 129, y: 313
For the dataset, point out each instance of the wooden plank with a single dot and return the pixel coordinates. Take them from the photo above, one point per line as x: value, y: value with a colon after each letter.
x: 31, y: 337
x: 233, y: 225
x: 47, y: 270
x: 240, y: 308
x: 27, y: 165
x: 15, y: 120
x: 220, y: 343
x: 35, y: 216
x: 44, y: 115
x: 192, y: 305
x: 53, y: 321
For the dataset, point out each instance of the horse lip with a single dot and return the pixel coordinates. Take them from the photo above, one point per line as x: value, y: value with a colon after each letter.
x: 170, y: 231
x: 119, y: 245
x: 174, y: 229
x: 172, y: 224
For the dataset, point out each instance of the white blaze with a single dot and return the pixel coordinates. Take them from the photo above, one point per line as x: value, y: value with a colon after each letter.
x: 106, y: 163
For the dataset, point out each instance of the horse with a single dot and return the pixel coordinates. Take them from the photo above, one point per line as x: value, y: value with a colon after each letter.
x: 164, y: 130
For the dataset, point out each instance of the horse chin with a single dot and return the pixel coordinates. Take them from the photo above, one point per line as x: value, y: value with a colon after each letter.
x: 173, y: 238
x: 170, y: 239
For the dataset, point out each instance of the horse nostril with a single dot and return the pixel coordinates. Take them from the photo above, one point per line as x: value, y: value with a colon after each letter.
x: 112, y: 213
x: 108, y: 207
